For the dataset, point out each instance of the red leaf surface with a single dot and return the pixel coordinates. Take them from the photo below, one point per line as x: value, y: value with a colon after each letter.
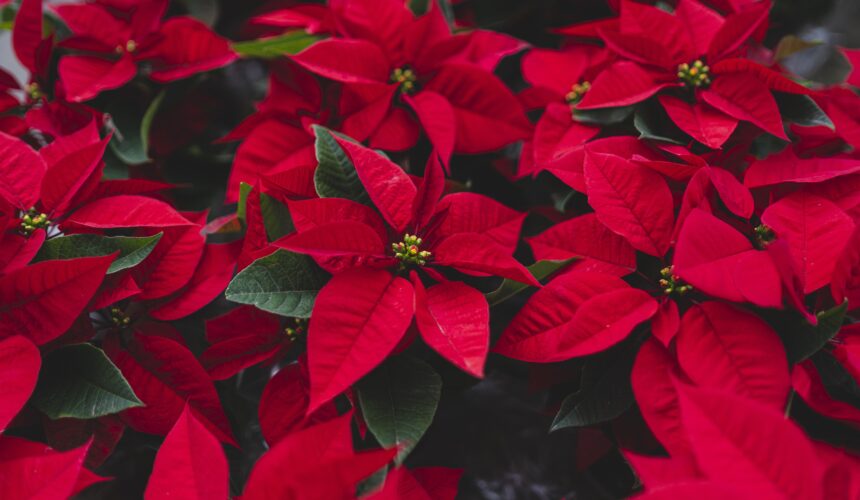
x: 817, y: 232
x: 335, y: 239
x: 631, y: 200
x: 473, y: 213
x: 359, y: 317
x: 746, y: 98
x: 348, y: 61
x: 721, y: 346
x: 622, y: 84
x: 702, y: 122
x: 472, y: 252
x: 171, y: 264
x: 388, y: 186
x: 788, y: 167
x: 454, y: 319
x: 85, y: 77
x: 41, y: 301
x: 21, y: 172
x: 313, y: 463
x: 716, y: 259
x: 583, y: 236
x: 284, y: 404
x: 189, y: 464
x: 34, y: 471
x: 126, y: 211
x: 19, y: 369
x: 426, y: 483
x: 65, y: 178
x: 187, y: 46
x: 240, y: 338
x: 439, y: 121
x: 743, y: 443
x: 575, y: 314
x: 165, y: 375
x: 27, y: 33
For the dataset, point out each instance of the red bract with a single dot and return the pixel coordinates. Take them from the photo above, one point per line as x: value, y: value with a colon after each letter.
x: 112, y: 47
x: 364, y: 311
x: 694, y: 49
x: 385, y: 55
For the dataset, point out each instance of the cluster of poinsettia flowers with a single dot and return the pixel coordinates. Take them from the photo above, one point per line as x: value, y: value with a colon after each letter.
x: 714, y: 259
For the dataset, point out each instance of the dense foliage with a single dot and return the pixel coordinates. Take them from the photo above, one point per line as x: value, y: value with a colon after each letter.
x: 277, y: 250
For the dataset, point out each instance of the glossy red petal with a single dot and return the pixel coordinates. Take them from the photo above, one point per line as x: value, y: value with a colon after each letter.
x: 721, y: 346
x: 335, y: 239
x: 65, y: 179
x: 786, y: 166
x: 189, y: 464
x: 34, y: 471
x: 126, y: 211
x: 622, y: 84
x: 454, y: 319
x: 474, y: 213
x: 718, y: 260
x: 744, y: 443
x: 284, y: 405
x: 816, y: 231
x: 473, y: 252
x: 165, y: 375
x: 746, y: 98
x: 348, y: 61
x: 583, y: 236
x: 211, y: 277
x: 21, y: 172
x: 19, y: 369
x: 85, y: 77
x: 62, y: 287
x: 631, y: 200
x: 735, y: 195
x: 359, y: 317
x: 702, y: 122
x: 172, y: 262
x: 185, y: 47
x: 537, y: 332
x: 27, y: 33
x: 388, y: 186
x: 426, y: 483
x: 487, y: 113
x: 737, y: 29
x: 438, y: 120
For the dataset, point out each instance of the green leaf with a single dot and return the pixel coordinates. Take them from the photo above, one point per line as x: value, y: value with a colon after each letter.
x: 276, y: 46
x: 276, y: 217
x: 603, y: 116
x: 398, y: 401
x: 605, y: 394
x: 284, y: 283
x: 802, y: 110
x: 148, y: 117
x: 652, y: 122
x: 335, y: 177
x: 836, y: 379
x: 242, y: 208
x: 79, y: 381
x: 132, y: 250
x: 540, y: 270
x: 802, y: 340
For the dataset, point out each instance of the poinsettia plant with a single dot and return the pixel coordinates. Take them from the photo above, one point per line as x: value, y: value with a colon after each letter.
x: 436, y: 249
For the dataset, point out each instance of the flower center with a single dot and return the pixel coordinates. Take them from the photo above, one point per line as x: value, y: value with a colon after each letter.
x: 119, y: 318
x: 405, y: 78
x: 295, y: 328
x: 34, y: 92
x: 671, y: 282
x: 33, y: 220
x: 577, y: 91
x: 763, y: 235
x: 695, y: 74
x: 130, y: 46
x: 409, y: 250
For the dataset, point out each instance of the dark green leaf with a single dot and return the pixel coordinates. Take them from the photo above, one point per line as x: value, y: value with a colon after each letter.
x: 540, y: 270
x: 652, y: 122
x: 604, y: 116
x: 242, y: 208
x: 276, y: 217
x: 802, y: 110
x: 335, y: 177
x: 276, y: 46
x: 132, y: 251
x: 802, y: 340
x: 284, y: 283
x: 605, y: 393
x: 837, y: 381
x: 398, y: 401
x: 79, y: 381
x: 148, y: 117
